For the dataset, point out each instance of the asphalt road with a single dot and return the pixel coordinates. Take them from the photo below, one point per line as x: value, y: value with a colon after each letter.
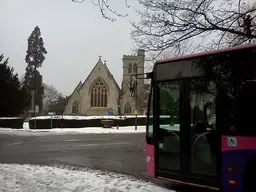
x: 119, y: 152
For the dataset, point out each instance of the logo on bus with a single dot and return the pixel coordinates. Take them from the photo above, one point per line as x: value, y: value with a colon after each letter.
x: 232, y: 141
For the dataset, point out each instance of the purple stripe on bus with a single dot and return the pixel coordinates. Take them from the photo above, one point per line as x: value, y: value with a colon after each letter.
x: 238, y: 160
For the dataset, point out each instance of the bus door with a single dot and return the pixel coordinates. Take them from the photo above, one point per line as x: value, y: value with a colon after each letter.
x: 186, y: 131
x: 204, y: 142
x: 168, y: 142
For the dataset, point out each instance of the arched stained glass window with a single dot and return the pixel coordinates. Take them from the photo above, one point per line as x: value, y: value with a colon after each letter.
x: 75, y: 107
x: 130, y: 68
x: 127, y: 108
x: 135, y: 68
x: 99, y: 94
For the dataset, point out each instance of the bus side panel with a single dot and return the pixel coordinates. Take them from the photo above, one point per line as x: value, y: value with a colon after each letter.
x: 236, y: 152
x: 150, y: 159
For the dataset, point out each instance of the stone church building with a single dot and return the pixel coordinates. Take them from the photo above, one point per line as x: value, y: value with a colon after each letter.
x: 100, y: 94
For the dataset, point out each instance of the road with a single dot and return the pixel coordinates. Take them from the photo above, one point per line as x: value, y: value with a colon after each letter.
x: 120, y: 152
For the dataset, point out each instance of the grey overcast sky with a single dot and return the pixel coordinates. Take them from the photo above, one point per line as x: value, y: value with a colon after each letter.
x: 74, y: 36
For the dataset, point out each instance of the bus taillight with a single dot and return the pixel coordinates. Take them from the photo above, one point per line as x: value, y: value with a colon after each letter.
x: 232, y: 182
x: 251, y: 80
x: 231, y: 170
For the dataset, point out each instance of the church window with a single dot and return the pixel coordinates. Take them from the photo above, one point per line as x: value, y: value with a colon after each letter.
x: 75, y: 107
x: 130, y: 68
x: 99, y: 94
x: 127, y: 108
x: 135, y: 68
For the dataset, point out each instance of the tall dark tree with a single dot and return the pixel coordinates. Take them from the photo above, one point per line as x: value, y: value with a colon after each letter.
x: 13, y: 98
x: 34, y: 58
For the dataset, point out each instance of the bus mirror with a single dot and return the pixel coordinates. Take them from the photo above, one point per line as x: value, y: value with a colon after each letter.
x: 149, y: 75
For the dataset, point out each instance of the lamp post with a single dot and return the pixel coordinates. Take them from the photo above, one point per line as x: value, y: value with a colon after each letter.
x: 136, y: 109
x: 33, y: 107
x: 133, y: 90
x: 34, y: 96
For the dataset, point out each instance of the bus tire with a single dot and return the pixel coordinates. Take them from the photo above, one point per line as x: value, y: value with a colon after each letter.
x: 248, y: 178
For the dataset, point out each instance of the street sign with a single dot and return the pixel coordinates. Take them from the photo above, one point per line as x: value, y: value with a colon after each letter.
x: 51, y: 114
x: 37, y: 109
x: 110, y: 111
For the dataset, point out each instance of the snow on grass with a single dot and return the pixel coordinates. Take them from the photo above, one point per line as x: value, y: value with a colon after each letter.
x: 11, y: 118
x: 86, y: 117
x: 26, y: 125
x: 35, y: 178
x: 59, y: 131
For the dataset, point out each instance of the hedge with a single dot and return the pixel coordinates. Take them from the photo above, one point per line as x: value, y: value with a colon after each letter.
x: 11, y: 122
x: 79, y: 123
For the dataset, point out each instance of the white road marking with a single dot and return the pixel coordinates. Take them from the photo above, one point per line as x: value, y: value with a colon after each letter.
x: 88, y: 145
x: 12, y: 144
x: 103, y: 144
x: 74, y: 140
x: 116, y: 143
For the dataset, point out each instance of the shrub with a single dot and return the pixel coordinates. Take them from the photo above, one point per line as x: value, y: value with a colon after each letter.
x: 11, y: 122
x: 80, y: 123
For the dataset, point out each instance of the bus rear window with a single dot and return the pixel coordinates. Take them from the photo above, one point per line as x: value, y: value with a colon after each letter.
x: 245, y: 109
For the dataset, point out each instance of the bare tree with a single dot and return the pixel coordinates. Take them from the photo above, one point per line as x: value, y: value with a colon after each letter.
x: 22, y: 79
x: 205, y: 24
x: 105, y: 7
x: 51, y: 95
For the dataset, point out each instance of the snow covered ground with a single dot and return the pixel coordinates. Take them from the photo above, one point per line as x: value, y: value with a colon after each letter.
x: 32, y: 178
x: 58, y: 131
x: 87, y: 117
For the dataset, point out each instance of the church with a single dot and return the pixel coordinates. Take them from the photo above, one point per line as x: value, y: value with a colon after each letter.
x: 100, y: 94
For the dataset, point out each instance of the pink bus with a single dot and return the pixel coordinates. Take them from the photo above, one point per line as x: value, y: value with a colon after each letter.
x: 200, y: 124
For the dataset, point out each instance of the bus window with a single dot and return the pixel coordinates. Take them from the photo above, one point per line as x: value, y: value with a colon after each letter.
x: 169, y: 129
x: 244, y: 110
x: 203, y: 127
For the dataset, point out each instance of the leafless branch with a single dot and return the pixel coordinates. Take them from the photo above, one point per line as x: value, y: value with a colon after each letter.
x: 78, y: 1
x: 104, y: 6
x: 168, y: 24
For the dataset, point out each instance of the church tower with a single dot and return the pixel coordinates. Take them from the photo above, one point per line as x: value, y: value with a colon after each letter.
x: 133, y: 64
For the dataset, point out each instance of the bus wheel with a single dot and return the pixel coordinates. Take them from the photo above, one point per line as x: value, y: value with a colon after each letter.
x: 248, y: 179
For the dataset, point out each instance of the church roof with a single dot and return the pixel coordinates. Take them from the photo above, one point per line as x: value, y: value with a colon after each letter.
x: 110, y: 74
x: 108, y: 71
x: 77, y: 88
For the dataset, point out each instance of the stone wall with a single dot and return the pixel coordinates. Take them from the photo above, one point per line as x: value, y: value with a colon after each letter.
x: 126, y: 97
